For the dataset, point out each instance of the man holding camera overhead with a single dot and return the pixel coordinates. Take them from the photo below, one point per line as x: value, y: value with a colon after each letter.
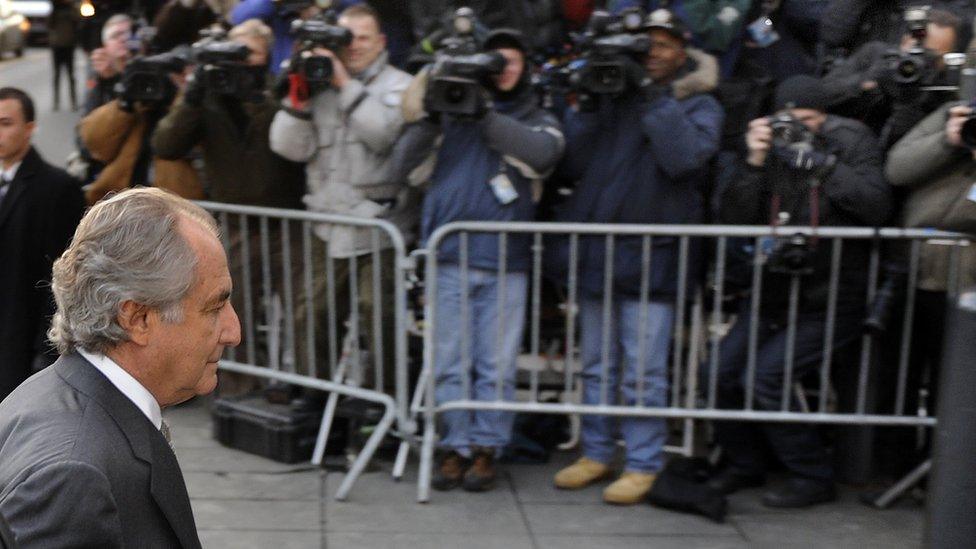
x: 342, y: 117
x: 639, y: 155
x: 495, y: 140
x: 884, y: 86
x: 803, y: 167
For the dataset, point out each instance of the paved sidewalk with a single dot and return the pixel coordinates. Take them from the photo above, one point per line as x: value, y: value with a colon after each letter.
x: 242, y: 501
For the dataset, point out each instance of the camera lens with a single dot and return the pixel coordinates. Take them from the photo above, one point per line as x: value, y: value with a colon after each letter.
x: 968, y: 132
x: 455, y: 94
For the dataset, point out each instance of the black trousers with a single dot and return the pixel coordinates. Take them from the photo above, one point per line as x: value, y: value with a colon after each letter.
x: 798, y: 446
x: 64, y: 58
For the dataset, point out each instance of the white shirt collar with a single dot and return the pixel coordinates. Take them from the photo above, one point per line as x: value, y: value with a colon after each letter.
x: 11, y: 172
x: 128, y: 385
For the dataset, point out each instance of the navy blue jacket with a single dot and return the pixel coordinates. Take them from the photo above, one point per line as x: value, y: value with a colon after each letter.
x: 518, y: 139
x: 638, y: 162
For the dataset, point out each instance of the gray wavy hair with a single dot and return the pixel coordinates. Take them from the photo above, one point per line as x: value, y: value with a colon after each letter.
x: 127, y: 247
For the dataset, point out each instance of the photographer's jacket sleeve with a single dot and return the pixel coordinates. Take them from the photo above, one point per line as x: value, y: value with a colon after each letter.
x: 179, y: 131
x: 683, y: 137
x: 920, y: 157
x: 533, y: 147
x: 856, y: 187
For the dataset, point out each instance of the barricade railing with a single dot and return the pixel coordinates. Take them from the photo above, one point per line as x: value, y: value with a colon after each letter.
x: 805, y: 284
x: 307, y: 286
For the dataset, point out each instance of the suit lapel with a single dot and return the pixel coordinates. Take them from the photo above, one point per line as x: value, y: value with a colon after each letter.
x: 17, y: 187
x: 166, y: 483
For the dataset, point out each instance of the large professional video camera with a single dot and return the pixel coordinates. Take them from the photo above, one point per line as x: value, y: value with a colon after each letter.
x: 222, y: 64
x: 320, y: 32
x: 606, y: 57
x: 461, y: 72
x: 147, y: 79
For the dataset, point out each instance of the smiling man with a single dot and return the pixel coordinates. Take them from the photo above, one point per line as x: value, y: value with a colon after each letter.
x: 143, y: 316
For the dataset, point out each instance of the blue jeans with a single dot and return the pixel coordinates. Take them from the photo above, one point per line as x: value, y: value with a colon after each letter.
x: 483, y: 359
x: 644, y: 437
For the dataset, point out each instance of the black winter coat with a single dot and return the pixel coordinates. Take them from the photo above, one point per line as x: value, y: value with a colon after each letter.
x: 854, y: 193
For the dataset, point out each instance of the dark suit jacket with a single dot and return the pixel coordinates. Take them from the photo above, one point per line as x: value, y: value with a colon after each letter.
x: 82, y: 466
x: 38, y: 216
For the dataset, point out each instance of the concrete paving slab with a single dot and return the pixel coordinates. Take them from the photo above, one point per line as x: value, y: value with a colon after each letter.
x: 428, y: 541
x: 834, y: 528
x: 473, y: 517
x: 259, y: 539
x: 244, y: 514
x: 303, y: 486
x: 379, y: 487
x: 228, y: 460
x: 587, y: 519
x: 533, y: 484
x: 640, y: 542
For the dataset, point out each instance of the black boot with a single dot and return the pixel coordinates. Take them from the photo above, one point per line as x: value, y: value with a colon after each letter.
x: 800, y: 492
x: 730, y: 480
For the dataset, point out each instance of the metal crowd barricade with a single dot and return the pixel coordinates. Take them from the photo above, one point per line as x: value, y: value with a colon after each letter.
x: 272, y: 256
x: 687, y: 400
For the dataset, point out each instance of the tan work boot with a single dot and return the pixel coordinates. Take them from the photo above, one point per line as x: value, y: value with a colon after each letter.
x: 581, y: 474
x: 632, y: 487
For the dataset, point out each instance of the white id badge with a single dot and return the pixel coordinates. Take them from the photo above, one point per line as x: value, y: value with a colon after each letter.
x: 504, y: 191
x: 762, y: 32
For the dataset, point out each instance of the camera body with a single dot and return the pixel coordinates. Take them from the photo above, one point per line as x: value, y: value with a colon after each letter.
x: 317, y: 33
x: 604, y: 70
x: 792, y: 255
x: 457, y: 83
x: 225, y: 71
x: 146, y: 79
x: 788, y: 132
x: 917, y: 65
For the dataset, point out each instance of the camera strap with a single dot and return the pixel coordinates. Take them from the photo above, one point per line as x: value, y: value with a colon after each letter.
x: 814, y: 196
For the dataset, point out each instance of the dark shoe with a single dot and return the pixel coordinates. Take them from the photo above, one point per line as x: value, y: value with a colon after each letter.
x: 729, y: 480
x: 450, y: 471
x: 800, y: 492
x: 481, y: 475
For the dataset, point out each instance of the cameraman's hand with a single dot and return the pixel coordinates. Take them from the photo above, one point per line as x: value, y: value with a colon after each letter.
x: 104, y: 65
x: 340, y: 76
x: 758, y: 140
x: 953, y: 130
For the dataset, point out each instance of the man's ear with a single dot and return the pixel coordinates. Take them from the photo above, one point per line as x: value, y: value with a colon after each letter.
x: 135, y: 319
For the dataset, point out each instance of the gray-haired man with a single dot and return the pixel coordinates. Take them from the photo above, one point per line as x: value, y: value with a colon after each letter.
x: 144, y: 314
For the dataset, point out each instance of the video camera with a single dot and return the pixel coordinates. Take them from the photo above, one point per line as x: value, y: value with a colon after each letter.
x: 224, y: 68
x: 319, y: 32
x: 461, y: 71
x: 147, y: 79
x: 606, y: 55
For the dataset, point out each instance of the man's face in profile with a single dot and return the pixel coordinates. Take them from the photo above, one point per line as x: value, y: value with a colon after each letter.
x: 188, y: 350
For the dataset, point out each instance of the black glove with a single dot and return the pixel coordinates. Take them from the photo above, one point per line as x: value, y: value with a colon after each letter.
x: 195, y: 88
x: 805, y: 159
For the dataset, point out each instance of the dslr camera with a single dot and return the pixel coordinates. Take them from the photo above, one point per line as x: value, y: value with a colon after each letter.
x: 792, y: 255
x: 147, y: 79
x: 917, y: 65
x: 319, y: 32
x: 788, y: 132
